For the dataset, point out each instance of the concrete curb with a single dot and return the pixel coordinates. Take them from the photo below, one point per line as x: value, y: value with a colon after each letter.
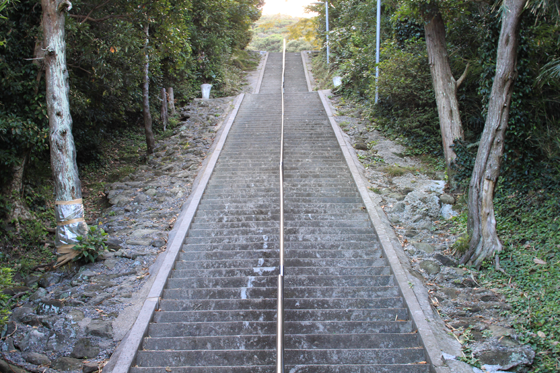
x: 384, y: 232
x: 130, y: 345
x: 261, y: 75
x: 306, y: 70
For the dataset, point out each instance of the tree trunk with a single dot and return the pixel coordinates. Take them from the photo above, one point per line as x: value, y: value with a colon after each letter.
x: 69, y: 209
x: 481, y: 225
x: 150, y: 140
x: 14, y: 192
x: 171, y: 100
x: 445, y: 85
x: 164, y: 108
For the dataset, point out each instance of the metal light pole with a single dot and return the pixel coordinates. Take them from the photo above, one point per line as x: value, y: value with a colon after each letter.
x: 327, y: 18
x: 378, y: 31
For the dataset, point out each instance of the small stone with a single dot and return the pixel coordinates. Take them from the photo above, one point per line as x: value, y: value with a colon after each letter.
x: 75, y: 315
x: 500, y: 331
x: 397, y: 196
x: 113, y: 243
x: 37, y: 359
x: 128, y: 208
x: 34, y: 341
x: 158, y: 242
x: 141, y: 198
x: 450, y: 292
x: 446, y: 261
x: 151, y: 192
x: 9, y: 368
x: 425, y: 247
x: 146, y: 241
x: 447, y: 199
x: 25, y: 315
x: 119, y: 200
x: 49, y: 279
x: 360, y: 146
x: 90, y: 367
x: 100, y: 328
x: 399, y: 207
x: 83, y: 349
x: 506, y: 357
x: 66, y: 364
x: 430, y: 267
x: 110, y: 263
x: 11, y: 291
x: 51, y: 306
x: 411, y: 232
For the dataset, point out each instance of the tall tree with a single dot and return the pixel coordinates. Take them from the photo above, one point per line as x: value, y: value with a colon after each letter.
x: 481, y: 225
x: 150, y: 141
x: 445, y: 85
x: 69, y: 209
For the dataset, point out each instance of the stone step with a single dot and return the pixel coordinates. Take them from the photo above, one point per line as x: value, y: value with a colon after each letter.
x: 273, y: 262
x: 290, y: 281
x: 308, y: 231
x: 296, y: 246
x: 311, y: 292
x: 289, y: 304
x: 267, y: 357
x: 273, y: 237
x: 292, y: 271
x: 362, y: 223
x: 347, y: 368
x: 292, y: 342
x: 382, y: 314
x: 269, y: 328
x: 188, y: 254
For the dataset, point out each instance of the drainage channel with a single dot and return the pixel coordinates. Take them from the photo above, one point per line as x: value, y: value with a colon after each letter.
x: 216, y: 310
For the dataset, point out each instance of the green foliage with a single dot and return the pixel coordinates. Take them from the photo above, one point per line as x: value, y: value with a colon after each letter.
x: 5, y: 282
x: 529, y: 227
x: 270, y: 31
x: 89, y: 247
x: 407, y: 107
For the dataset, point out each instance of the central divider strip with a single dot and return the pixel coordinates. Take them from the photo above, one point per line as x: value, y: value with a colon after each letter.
x: 280, y: 314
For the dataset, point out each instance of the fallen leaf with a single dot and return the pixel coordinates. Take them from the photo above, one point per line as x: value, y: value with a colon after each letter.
x: 539, y: 261
x: 541, y: 334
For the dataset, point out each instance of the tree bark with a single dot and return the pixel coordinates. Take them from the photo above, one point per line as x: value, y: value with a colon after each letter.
x: 445, y: 85
x: 14, y: 192
x: 150, y: 140
x: 69, y: 209
x: 481, y: 224
x: 164, y: 108
x: 171, y: 99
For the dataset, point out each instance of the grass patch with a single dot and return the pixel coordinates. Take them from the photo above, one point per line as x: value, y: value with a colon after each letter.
x: 396, y: 170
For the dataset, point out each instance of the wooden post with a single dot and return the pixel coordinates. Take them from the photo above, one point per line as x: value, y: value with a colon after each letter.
x: 171, y: 100
x: 164, y: 108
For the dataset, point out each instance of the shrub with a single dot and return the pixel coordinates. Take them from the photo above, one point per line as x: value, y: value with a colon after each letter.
x: 91, y: 246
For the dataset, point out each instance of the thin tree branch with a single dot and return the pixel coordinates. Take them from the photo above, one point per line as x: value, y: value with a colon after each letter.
x: 87, y: 18
x: 94, y: 9
x: 463, y: 76
x: 78, y: 67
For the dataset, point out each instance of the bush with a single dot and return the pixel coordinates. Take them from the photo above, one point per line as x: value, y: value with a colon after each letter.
x: 407, y: 105
x: 91, y: 246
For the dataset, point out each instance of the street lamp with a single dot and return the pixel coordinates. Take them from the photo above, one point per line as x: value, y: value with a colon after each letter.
x: 377, y: 39
x: 327, y: 24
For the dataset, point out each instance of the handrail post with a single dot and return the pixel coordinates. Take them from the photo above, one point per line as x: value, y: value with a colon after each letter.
x: 280, y: 311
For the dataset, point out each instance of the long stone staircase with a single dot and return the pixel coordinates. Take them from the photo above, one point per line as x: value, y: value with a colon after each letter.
x: 343, y: 310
